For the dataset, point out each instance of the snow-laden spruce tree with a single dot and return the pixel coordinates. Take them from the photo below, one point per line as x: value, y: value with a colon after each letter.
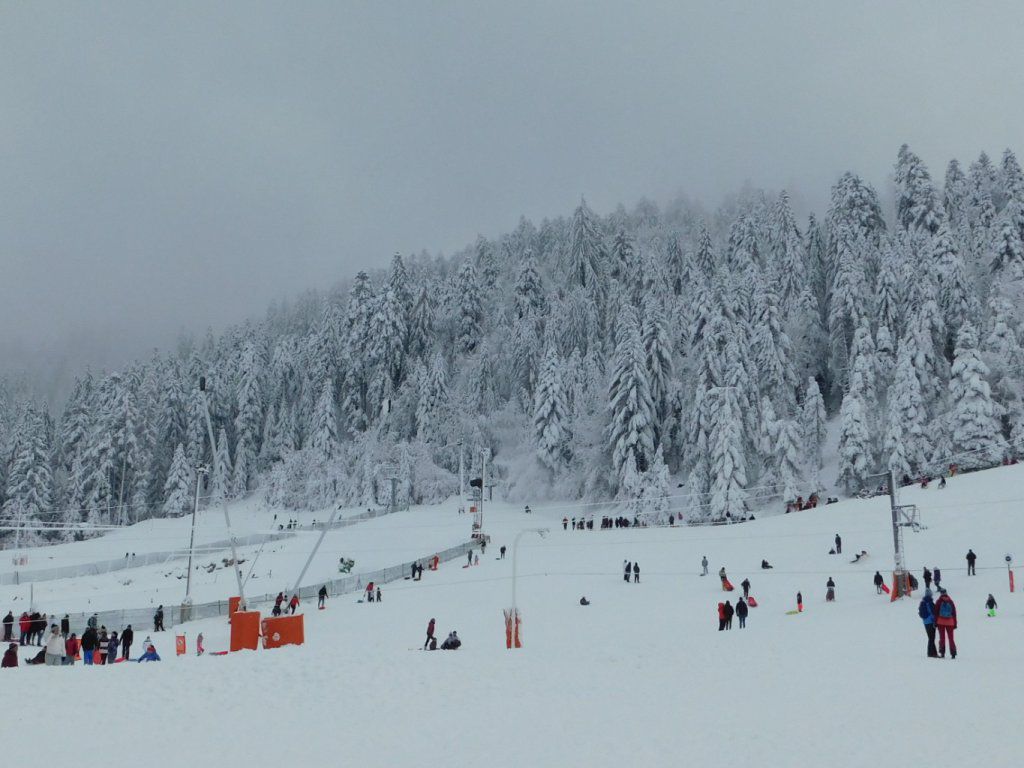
x: 433, y: 400
x: 812, y: 432
x: 221, y: 470
x: 973, y: 426
x: 658, y: 352
x: 178, y: 490
x: 550, y: 416
x: 630, y: 431
x: 906, y: 445
x: 855, y: 441
x: 324, y: 437
x: 727, y: 462
x: 29, y: 495
x: 585, y: 253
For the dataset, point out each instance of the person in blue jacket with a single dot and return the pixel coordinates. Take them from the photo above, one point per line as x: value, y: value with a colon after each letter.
x: 150, y: 654
x: 926, y: 610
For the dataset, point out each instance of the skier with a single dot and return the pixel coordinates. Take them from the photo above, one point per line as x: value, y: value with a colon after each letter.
x: 927, y: 578
x: 879, y: 581
x: 10, y: 656
x: 430, y: 634
x: 150, y: 654
x: 158, y: 619
x: 636, y: 573
x: 971, y: 557
x: 8, y: 627
x: 799, y: 603
x: 830, y: 591
x: 839, y: 545
x: 945, y: 620
x: 293, y: 604
x: 729, y: 611
x: 991, y: 605
x: 126, y: 641
x: 704, y: 565
x: 741, y: 612
x: 721, y: 616
x: 746, y: 588
x: 926, y: 610
x: 452, y: 642
x: 628, y: 570
x: 321, y: 596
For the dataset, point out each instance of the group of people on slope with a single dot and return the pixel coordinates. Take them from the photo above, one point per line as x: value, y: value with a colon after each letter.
x: 293, y: 604
x: 451, y: 643
x: 726, y: 612
x: 94, y: 647
x: 628, y: 569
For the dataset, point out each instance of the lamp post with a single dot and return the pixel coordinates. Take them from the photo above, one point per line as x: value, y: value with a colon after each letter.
x: 512, y: 615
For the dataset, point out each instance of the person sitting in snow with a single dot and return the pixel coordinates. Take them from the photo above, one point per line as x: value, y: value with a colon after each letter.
x: 452, y: 642
x: 584, y: 601
x: 765, y: 565
x: 10, y: 656
x: 150, y: 654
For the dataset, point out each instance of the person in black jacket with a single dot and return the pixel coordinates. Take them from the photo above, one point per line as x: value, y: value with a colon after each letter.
x: 65, y: 625
x: 839, y: 545
x: 126, y: 642
x: 8, y: 627
x: 927, y: 578
x: 729, y: 611
x: 830, y: 590
x: 746, y: 588
x: 879, y: 581
x: 90, y: 640
x: 158, y: 619
x: 971, y: 557
x: 321, y: 596
x: 636, y: 573
x: 741, y: 612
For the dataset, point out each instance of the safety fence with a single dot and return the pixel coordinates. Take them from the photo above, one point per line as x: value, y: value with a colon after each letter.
x: 141, y: 619
x: 350, y: 520
x: 134, y: 561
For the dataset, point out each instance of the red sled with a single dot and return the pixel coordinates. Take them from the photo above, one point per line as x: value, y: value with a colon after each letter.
x: 752, y: 602
x: 885, y: 588
x: 727, y: 585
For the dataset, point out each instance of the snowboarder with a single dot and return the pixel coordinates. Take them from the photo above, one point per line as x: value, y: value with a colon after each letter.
x: 150, y: 654
x: 879, y: 581
x: 927, y: 578
x: 321, y: 596
x: 430, y: 634
x: 839, y: 545
x: 628, y: 570
x: 158, y: 619
x: 945, y: 620
x: 636, y: 573
x: 10, y: 656
x: 830, y: 591
x: 452, y: 642
x: 293, y: 604
x: 926, y: 610
x: 729, y: 611
x: 721, y: 616
x: 746, y: 588
x: 704, y: 565
x: 126, y: 642
x: 991, y: 605
x: 741, y: 612
x: 799, y: 603
x: 971, y: 557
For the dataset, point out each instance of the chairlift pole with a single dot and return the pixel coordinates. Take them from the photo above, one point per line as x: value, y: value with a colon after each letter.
x: 200, y: 471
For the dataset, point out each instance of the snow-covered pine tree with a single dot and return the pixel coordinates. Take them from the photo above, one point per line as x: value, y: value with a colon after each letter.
x: 178, y: 490
x: 550, y: 417
x: 630, y: 431
x: 222, y: 474
x: 813, y: 431
x: 727, y: 462
x: 324, y: 431
x: 905, y: 446
x: 658, y: 354
x: 433, y: 401
x: 855, y: 440
x: 973, y: 426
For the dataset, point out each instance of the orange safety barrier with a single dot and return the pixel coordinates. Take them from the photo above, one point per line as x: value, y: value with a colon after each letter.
x: 245, y: 631
x: 233, y: 603
x: 283, y: 630
x: 179, y: 645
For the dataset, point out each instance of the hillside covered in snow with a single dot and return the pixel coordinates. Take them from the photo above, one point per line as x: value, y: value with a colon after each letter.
x: 638, y: 356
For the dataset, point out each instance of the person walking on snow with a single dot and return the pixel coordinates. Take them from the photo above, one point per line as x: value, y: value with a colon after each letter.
x: 321, y: 596
x: 741, y: 612
x: 746, y: 588
x: 799, y: 603
x: 628, y: 569
x: 704, y: 565
x: 721, y: 616
x: 729, y: 611
x: 430, y: 634
x: 926, y: 610
x: 927, y: 578
x: 971, y: 557
x: 636, y: 573
x: 991, y: 605
x: 830, y: 591
x: 945, y: 620
x: 839, y: 545
x: 9, y: 627
x: 469, y: 557
x: 158, y: 619
x: 879, y: 581
x: 502, y: 552
x: 293, y: 604
x: 126, y: 642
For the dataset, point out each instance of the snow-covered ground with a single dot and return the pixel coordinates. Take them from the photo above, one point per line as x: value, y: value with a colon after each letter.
x: 640, y: 677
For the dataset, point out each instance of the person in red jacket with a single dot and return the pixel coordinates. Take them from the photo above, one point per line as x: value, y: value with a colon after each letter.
x: 25, y: 623
x: 430, y: 634
x: 293, y: 604
x: 10, y: 656
x: 721, y: 616
x: 70, y: 649
x: 945, y: 620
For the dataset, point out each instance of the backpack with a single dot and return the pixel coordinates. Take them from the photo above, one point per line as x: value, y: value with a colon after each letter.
x: 924, y: 610
x: 946, y: 610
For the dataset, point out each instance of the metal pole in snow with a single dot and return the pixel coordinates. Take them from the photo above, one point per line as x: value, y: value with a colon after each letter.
x: 200, y: 471
x: 312, y: 554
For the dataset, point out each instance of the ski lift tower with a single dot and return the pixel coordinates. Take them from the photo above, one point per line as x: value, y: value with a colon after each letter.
x: 390, y: 473
x: 903, y: 516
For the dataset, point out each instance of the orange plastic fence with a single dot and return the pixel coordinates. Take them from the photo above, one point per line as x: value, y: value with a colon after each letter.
x: 283, y: 630
x: 245, y: 631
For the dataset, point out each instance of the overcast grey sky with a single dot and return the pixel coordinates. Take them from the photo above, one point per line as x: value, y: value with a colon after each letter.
x: 172, y: 165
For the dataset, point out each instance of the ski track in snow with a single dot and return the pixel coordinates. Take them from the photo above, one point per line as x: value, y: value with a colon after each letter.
x: 640, y: 677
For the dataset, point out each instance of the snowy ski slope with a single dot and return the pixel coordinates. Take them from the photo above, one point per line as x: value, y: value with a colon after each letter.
x: 640, y: 677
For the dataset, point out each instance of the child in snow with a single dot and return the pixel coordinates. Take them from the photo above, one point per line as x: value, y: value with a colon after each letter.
x: 378, y: 594
x: 799, y: 603
x: 10, y: 656
x: 991, y: 605
x: 765, y: 565
x: 746, y: 588
x: 452, y: 642
x: 830, y: 591
x: 293, y: 604
x: 150, y: 654
x: 199, y: 645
